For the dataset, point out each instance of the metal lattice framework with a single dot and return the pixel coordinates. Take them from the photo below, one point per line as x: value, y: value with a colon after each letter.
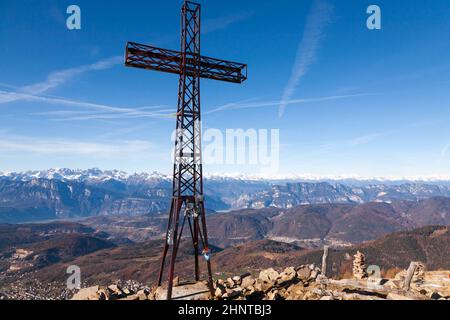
x: 188, y: 198
x: 154, y: 58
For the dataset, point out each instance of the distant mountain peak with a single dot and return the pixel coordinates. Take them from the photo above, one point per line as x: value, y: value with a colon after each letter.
x: 96, y: 174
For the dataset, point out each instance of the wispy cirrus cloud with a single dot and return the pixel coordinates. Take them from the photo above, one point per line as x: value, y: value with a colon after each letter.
x: 247, y: 104
x: 444, y: 151
x: 318, y: 19
x: 70, y: 147
x: 37, y: 93
x: 353, y: 142
x: 365, y: 139
x: 94, y: 110
x: 74, y: 115
x: 16, y: 96
x: 163, y: 114
x: 221, y: 23
x: 56, y: 79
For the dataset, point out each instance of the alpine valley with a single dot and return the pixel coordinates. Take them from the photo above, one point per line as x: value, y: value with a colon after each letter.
x: 71, y: 194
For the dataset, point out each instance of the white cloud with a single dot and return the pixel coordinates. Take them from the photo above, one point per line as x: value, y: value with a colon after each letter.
x: 317, y: 20
x: 444, y: 151
x: 56, y: 79
x: 98, y: 111
x: 35, y: 93
x: 352, y: 142
x: 276, y: 103
x: 221, y: 23
x: 362, y: 140
x: 68, y: 147
x: 101, y: 111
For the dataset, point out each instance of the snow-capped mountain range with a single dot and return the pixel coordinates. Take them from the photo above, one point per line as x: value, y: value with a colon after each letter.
x: 83, y: 175
x: 96, y: 174
x: 66, y: 193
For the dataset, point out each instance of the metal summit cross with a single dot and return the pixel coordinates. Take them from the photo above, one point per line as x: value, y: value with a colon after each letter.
x: 188, y: 197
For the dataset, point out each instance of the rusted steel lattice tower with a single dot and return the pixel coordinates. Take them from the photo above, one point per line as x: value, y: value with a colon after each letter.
x: 188, y: 198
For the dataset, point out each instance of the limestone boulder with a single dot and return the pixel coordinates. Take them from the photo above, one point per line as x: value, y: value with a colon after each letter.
x: 231, y: 294
x: 142, y: 295
x: 269, y: 275
x: 304, y: 273
x: 273, y: 295
x: 248, y: 282
x: 229, y: 283
x: 237, y: 280
x: 90, y: 293
x: 116, y: 291
x: 295, y: 292
x: 287, y: 276
x: 220, y: 291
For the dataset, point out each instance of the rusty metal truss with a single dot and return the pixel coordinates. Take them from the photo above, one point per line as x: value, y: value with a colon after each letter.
x: 154, y: 58
x: 188, y: 207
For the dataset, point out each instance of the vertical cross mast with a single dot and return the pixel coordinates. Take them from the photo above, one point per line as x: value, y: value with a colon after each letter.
x: 188, y: 171
x: 187, y: 147
x: 187, y: 208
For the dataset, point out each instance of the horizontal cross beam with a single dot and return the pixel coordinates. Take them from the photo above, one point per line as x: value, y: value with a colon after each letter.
x: 153, y: 58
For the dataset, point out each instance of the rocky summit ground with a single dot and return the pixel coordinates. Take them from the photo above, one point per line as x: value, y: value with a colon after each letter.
x: 34, y: 260
x: 301, y: 283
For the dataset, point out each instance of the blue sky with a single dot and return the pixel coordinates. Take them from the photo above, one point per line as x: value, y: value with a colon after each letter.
x: 347, y: 100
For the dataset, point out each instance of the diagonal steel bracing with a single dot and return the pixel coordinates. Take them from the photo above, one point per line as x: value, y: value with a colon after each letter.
x: 188, y: 198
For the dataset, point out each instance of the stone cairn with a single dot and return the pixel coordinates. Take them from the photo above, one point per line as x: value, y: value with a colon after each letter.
x: 359, y: 266
x: 419, y: 274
